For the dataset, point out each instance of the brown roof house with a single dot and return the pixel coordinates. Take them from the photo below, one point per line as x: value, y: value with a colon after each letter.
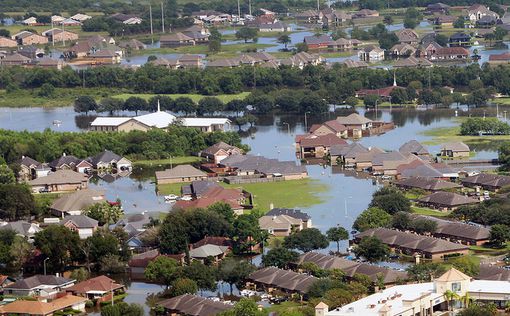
x: 176, y: 40
x: 193, y: 305
x: 59, y: 35
x: 29, y: 38
x: 83, y: 225
x: 282, y: 224
x: 426, y: 183
x: 446, y: 200
x: 329, y: 127
x: 75, y: 203
x: 272, y: 278
x: 180, y: 173
x: 413, y: 244
x: 316, y: 146
x: 139, y: 262
x: 43, y: 307
x: 99, y: 288
x: 7, y: 42
x: 351, y: 267
x: 455, y: 150
x: 355, y: 121
x: 61, y: 180
x: 491, y: 182
x: 31, y: 169
x: 415, y: 148
x: 15, y: 59
x: 220, y: 151
x: 408, y: 36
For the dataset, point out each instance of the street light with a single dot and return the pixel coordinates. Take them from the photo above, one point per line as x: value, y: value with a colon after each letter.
x: 111, y: 289
x: 288, y: 127
x: 306, y: 123
x: 44, y: 264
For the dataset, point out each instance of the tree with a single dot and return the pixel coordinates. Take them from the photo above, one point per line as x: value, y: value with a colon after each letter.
x: 247, y: 33
x: 499, y: 234
x: 372, y: 249
x: 306, y: 240
x: 338, y: 297
x: 209, y: 105
x: 371, y: 100
x: 388, y: 20
x: 122, y: 309
x: 399, y: 96
x: 459, y: 23
x: 183, y: 286
x: 285, y: 40
x: 135, y: 104
x: 279, y: 257
x: 423, y: 225
x: 245, y: 307
x: 424, y: 272
x: 59, y: 244
x: 390, y: 200
x: 449, y: 297
x: 85, y: 104
x: 109, y: 105
x: 204, y: 276
x: 372, y: 217
x: 246, y: 233
x: 478, y: 309
x: 6, y: 175
x: 410, y: 23
x: 214, y: 46
x: 313, y: 103
x: 112, y: 264
x: 80, y: 274
x: 47, y: 90
x: 233, y: 271
x: 162, y: 269
x: 401, y: 220
x: 16, y: 201
x: 102, y: 243
x: 20, y: 252
x: 185, y: 105
x: 441, y: 39
x: 301, y: 47
x: 503, y: 156
x: 236, y: 106
x: 105, y: 213
x: 337, y: 234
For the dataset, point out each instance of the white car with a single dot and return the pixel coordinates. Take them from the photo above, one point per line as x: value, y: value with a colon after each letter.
x: 171, y: 197
x: 186, y: 198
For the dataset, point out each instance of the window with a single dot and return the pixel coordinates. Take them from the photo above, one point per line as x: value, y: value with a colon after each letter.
x: 456, y: 287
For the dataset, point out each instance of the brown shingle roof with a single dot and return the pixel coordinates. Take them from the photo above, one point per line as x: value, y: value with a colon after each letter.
x: 194, y: 305
x: 426, y: 183
x: 60, y: 177
x: 327, y: 140
x: 100, y: 283
x: 180, y: 171
x: 457, y: 229
x: 284, y: 279
x: 22, y: 307
x: 448, y: 199
x: 487, y: 180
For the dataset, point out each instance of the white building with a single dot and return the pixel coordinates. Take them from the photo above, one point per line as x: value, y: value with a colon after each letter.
x: 423, y: 298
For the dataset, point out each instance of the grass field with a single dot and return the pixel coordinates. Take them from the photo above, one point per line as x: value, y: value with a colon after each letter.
x: 169, y: 161
x: 428, y: 211
x: 452, y: 134
x: 289, y: 194
x: 226, y: 50
x: 195, y: 97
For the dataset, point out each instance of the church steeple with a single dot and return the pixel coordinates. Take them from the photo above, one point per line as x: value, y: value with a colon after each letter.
x: 159, y: 107
x: 394, y: 79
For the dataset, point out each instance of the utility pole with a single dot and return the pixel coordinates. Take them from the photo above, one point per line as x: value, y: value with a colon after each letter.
x: 318, y: 5
x: 238, y: 11
x: 162, y: 18
x: 63, y: 35
x: 52, y: 33
x: 152, y: 30
x: 249, y: 6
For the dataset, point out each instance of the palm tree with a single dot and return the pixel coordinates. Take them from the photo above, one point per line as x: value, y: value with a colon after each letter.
x: 450, y: 296
x: 465, y: 299
x: 285, y: 40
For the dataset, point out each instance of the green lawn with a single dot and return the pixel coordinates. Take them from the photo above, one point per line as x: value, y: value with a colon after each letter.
x: 289, y: 194
x: 171, y: 188
x: 428, y: 211
x: 442, y: 135
x: 174, y: 160
x: 195, y: 97
x: 288, y: 308
x: 226, y: 50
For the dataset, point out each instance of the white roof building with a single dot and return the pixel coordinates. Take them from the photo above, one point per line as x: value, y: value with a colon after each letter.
x: 159, y: 119
x: 81, y: 17
x: 57, y: 18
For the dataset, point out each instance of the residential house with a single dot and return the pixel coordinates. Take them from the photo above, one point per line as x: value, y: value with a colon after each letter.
x: 14, y: 59
x: 413, y: 244
x: 438, y: 8
x: 487, y: 181
x: 365, y: 13
x: 105, y: 56
x: 419, y: 168
x: 188, y: 304
x: 271, y: 278
x: 132, y: 44
x: 445, y: 20
x: 29, y: 38
x: 329, y: 127
x: 77, y: 202
x: 455, y: 150
x: 70, y: 162
x: 342, y: 44
x: 316, y: 146
x: 371, y: 53
x: 208, y: 251
x: 309, y: 16
x: 57, y: 19
x: 294, y: 213
x: 334, y: 18
x: 32, y: 21
x: 429, y: 50
x: 405, y: 300
x: 31, y: 169
x: 427, y: 184
x: 493, y: 272
x: 346, y: 155
x: 44, y: 308
x: 446, y: 200
x: 355, y: 64
x: 274, y: 27
x: 503, y: 58
x: 100, y: 288
x: 206, y: 193
x: 60, y: 180
x: 387, y: 163
x: 282, y: 224
x: 109, y: 160
x: 82, y: 224
x: 39, y: 285
x: 450, y: 53
x: 128, y: 19
x: 408, y: 36
x: 6, y: 42
x: 180, y: 173
x: 301, y: 59
x: 258, y: 166
x: 22, y: 228
x: 70, y: 22
x: 460, y: 39
x: 80, y: 17
x: 176, y: 40
x: 58, y: 35
x: 317, y: 42
x: 454, y: 231
x: 139, y: 262
x: 403, y: 49
x: 47, y: 62
x: 478, y: 11
x: 415, y: 148
x: 351, y: 268
x: 355, y: 121
x: 219, y: 151
x: 5, y: 280
x: 413, y: 62
x: 31, y: 51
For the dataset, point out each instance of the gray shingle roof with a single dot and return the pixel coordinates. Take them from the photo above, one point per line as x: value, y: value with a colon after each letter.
x: 487, y: 180
x: 289, y: 212
x: 104, y: 157
x: 193, y: 305
x: 81, y: 221
x: 60, y: 177
x: 262, y: 164
x: 285, y: 279
x: 78, y: 201
x: 180, y: 171
x: 21, y: 227
x: 448, y: 199
x: 413, y: 147
x: 426, y: 183
x: 38, y: 280
x: 455, y: 146
x: 457, y: 229
x: 208, y: 250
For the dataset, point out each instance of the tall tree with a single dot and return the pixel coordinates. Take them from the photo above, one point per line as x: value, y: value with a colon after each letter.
x: 337, y: 234
x: 372, y: 249
x: 234, y: 271
x: 59, y: 244
x: 279, y: 257
x: 306, y: 240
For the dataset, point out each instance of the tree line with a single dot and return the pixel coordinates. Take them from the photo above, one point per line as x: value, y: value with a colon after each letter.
x: 475, y: 126
x: 155, y: 144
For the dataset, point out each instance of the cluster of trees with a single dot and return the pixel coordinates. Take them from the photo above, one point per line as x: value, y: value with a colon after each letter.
x: 504, y: 156
x: 487, y: 126
x: 381, y: 4
x: 48, y: 145
x: 379, y: 32
x: 412, y: 18
x: 335, y: 85
x: 184, y: 227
